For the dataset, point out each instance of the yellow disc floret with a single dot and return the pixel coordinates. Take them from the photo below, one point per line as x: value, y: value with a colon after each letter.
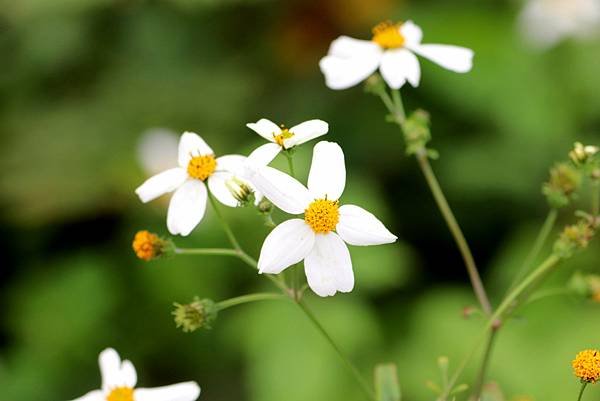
x: 120, y: 394
x: 282, y: 136
x: 146, y: 245
x: 387, y: 35
x: 586, y: 365
x: 202, y: 167
x: 322, y: 215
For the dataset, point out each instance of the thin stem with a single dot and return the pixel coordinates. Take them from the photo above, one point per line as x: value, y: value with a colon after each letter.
x: 537, y: 246
x: 397, y: 109
x: 583, y: 386
x: 206, y: 251
x: 595, y: 197
x: 487, y: 355
x: 290, y: 160
x: 546, y: 294
x: 244, y: 299
x: 357, y: 375
x: 294, y: 271
x: 457, y: 233
x: 224, y: 223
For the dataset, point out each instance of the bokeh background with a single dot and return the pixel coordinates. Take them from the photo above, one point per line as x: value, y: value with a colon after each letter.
x: 82, y: 82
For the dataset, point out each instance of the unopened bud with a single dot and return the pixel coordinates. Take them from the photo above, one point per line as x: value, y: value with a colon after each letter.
x: 586, y: 285
x: 240, y: 190
x: 581, y: 154
x: 198, y: 314
x: 264, y: 206
x: 374, y: 84
x: 416, y: 131
x: 574, y: 238
x: 563, y: 183
x: 148, y: 246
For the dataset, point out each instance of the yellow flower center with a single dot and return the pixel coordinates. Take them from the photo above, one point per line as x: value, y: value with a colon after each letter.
x: 586, y: 365
x: 120, y: 394
x: 387, y: 35
x: 322, y: 215
x: 202, y: 167
x: 283, y: 135
x: 146, y: 245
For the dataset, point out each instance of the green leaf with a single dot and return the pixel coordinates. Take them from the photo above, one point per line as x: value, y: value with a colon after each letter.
x: 387, y: 387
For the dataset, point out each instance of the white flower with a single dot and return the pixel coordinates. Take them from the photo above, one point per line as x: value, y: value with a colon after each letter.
x: 119, y: 379
x: 282, y: 138
x: 198, y: 167
x: 544, y: 23
x: 326, y: 257
x: 392, y: 50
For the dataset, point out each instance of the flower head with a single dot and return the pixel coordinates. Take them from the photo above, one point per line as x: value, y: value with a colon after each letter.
x: 119, y: 379
x: 581, y: 154
x: 281, y: 138
x: 392, y: 50
x: 148, y: 246
x: 320, y: 237
x: 198, y: 170
x: 197, y: 314
x: 586, y: 365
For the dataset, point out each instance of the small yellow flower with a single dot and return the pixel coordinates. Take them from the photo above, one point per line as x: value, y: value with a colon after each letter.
x: 586, y: 365
x: 147, y: 245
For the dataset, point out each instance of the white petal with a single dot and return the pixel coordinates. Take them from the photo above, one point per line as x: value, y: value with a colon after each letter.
x: 161, y: 184
x: 265, y: 128
x: 110, y: 368
x: 191, y: 145
x: 128, y: 374
x: 284, y: 191
x: 96, y: 395
x: 327, y: 177
x: 328, y: 266
x: 305, y: 132
x: 349, y: 62
x: 187, y: 207
x: 188, y: 391
x: 217, y: 184
x: 453, y: 58
x: 412, y: 33
x: 286, y: 245
x: 399, y: 66
x: 264, y: 154
x: 235, y: 164
x: 359, y: 227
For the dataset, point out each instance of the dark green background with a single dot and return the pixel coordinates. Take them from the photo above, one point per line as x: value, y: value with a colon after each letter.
x: 81, y: 80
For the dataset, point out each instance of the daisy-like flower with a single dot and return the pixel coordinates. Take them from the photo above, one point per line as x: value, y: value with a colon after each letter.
x: 392, y: 49
x: 119, y: 379
x: 312, y: 238
x: 544, y: 23
x: 281, y: 138
x: 198, y: 167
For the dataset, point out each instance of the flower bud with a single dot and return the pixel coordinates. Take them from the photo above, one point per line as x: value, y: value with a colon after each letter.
x: 416, y: 131
x: 586, y: 285
x: 240, y: 190
x: 374, y: 84
x: 574, y: 238
x: 562, y: 185
x: 148, y: 246
x: 582, y: 154
x: 264, y: 206
x: 198, y: 314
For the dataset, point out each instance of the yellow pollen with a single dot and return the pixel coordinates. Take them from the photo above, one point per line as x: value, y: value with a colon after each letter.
x: 586, y: 365
x: 202, y: 167
x: 283, y: 135
x: 322, y: 215
x: 146, y: 245
x: 387, y: 35
x: 120, y: 394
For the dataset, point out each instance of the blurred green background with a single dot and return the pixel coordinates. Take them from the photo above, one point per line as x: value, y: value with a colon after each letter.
x: 82, y: 80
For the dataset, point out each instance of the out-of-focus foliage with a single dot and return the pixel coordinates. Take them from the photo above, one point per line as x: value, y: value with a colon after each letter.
x: 83, y: 79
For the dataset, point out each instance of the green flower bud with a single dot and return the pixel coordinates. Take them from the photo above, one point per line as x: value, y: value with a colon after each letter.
x: 582, y: 154
x: 564, y: 181
x: 198, y: 314
x: 240, y: 190
x: 264, y: 206
x: 375, y: 84
x: 416, y: 131
x: 573, y: 238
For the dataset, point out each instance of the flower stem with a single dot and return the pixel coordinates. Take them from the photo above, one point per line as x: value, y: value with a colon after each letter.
x: 487, y: 355
x: 226, y: 228
x: 595, y: 197
x: 244, y: 299
x: 537, y: 246
x: 206, y: 251
x: 294, y: 271
x: 357, y: 375
x: 583, y: 386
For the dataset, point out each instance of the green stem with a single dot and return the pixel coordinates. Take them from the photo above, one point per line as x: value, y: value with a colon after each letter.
x: 595, y: 197
x: 487, y: 355
x: 226, y: 228
x: 206, y: 251
x: 583, y: 386
x: 290, y: 160
x: 357, y: 375
x: 294, y: 271
x: 545, y: 294
x: 396, y: 108
x: 244, y: 299
x: 537, y: 246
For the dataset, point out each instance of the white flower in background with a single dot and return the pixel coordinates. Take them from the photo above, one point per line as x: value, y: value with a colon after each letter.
x: 282, y: 138
x: 156, y: 149
x: 119, y: 379
x: 198, y: 167
x: 392, y: 49
x: 326, y: 257
x: 544, y: 23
